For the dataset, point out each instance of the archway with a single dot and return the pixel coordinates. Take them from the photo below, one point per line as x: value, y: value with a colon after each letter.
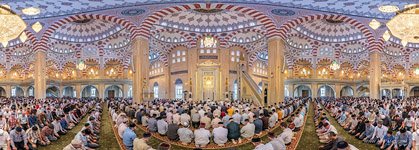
x: 17, y: 91
x: 178, y: 88
x: 414, y: 91
x: 30, y: 91
x: 52, y: 91
x: 156, y: 90
x: 302, y: 91
x: 113, y: 91
x: 397, y: 93
x: 386, y: 93
x: 326, y: 91
x: 2, y: 92
x: 363, y: 91
x: 346, y: 91
x: 69, y: 92
x: 90, y: 91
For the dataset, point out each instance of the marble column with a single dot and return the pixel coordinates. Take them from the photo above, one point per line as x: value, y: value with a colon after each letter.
x: 338, y: 88
x: 314, y: 90
x: 375, y: 74
x: 8, y: 89
x: 101, y: 90
x: 140, y: 50
x: 225, y: 71
x: 192, y: 71
x: 125, y: 89
x: 78, y: 91
x: 276, y: 47
x: 40, y: 75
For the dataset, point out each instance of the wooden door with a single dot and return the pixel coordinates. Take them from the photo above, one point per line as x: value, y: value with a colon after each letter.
x: 304, y: 93
x: 111, y: 94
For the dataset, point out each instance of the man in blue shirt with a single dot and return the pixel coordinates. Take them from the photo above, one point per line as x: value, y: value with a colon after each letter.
x: 129, y: 136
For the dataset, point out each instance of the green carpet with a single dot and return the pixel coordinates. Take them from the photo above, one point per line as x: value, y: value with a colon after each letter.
x: 309, y: 140
x: 65, y: 139
x: 107, y: 137
x: 349, y: 138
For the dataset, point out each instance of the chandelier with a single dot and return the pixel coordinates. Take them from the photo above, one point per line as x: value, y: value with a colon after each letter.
x: 209, y: 42
x: 335, y: 65
x: 416, y: 71
x: 81, y: 65
x: 11, y: 25
x: 405, y: 25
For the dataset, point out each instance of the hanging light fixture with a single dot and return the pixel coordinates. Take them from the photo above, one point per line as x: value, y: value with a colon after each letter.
x: 81, y: 66
x: 209, y: 42
x: 11, y: 25
x: 335, y: 65
x: 405, y: 25
x: 416, y: 71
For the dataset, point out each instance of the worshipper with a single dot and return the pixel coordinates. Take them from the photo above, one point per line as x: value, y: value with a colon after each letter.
x: 141, y: 144
x: 88, y: 142
x: 152, y: 124
x: 144, y: 120
x: 415, y: 140
x: 206, y: 120
x: 272, y: 120
x: 48, y: 132
x: 248, y: 130
x: 162, y: 125
x: 74, y: 145
x: 202, y: 136
x: 287, y: 133
x: 18, y: 139
x: 258, y: 126
x: 195, y: 119
x: 4, y: 139
x: 403, y: 140
x: 215, y: 121
x: 368, y: 133
x: 122, y: 127
x: 333, y: 141
x: 237, y: 117
x: 298, y: 122
x: 276, y: 143
x: 58, y: 128
x: 176, y: 118
x: 265, y: 122
x: 34, y: 139
x: 129, y: 136
x: 260, y: 146
x: 172, y: 131
x: 220, y: 134
x: 388, y: 141
x: 233, y: 131
x: 185, y: 134
x: 185, y: 117
x: 379, y: 132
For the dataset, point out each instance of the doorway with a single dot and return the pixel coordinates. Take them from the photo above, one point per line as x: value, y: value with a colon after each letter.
x: 304, y: 93
x: 111, y: 94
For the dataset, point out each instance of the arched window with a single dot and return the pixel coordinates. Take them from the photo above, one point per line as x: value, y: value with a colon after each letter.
x: 30, y: 91
x: 235, y: 90
x: 178, y: 88
x: 260, y: 85
x: 156, y: 90
x: 129, y: 91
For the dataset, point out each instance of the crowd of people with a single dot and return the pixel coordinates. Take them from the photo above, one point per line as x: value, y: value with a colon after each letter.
x: 387, y: 123
x: 27, y: 123
x: 205, y: 122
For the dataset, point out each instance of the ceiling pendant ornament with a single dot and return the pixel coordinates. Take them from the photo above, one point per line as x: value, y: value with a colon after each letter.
x: 374, y: 24
x: 209, y: 42
x: 81, y: 65
x: 11, y: 25
x: 405, y: 25
x: 416, y: 71
x: 388, y: 8
x: 335, y: 65
x: 31, y: 11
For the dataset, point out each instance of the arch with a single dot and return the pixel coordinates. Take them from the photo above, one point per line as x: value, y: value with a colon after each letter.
x: 156, y: 90
x: 178, y: 88
x: 31, y: 91
x: 346, y: 91
x: 414, y: 91
x: 326, y: 91
x: 69, y: 91
x: 397, y: 93
x: 363, y: 91
x: 386, y: 93
x: 17, y: 91
x: 187, y: 36
x: 2, y: 92
x: 113, y: 91
x: 302, y: 91
x: 363, y: 28
x: 42, y: 45
x: 90, y: 91
x: 52, y: 91
x: 147, y: 23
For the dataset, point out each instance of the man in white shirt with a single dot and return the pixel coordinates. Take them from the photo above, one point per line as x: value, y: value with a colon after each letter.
x: 162, y: 125
x: 202, y: 136
x: 122, y: 127
x: 287, y: 134
x: 4, y: 139
x: 176, y: 118
x: 260, y: 146
x: 248, y: 130
x: 237, y: 117
x: 415, y: 140
x: 220, y: 134
x: 379, y: 132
